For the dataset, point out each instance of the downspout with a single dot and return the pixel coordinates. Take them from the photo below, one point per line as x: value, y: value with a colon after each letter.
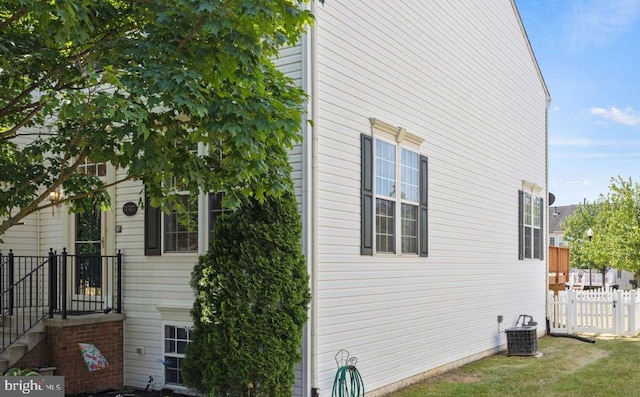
x: 546, y: 218
x: 311, y: 201
x: 314, y: 201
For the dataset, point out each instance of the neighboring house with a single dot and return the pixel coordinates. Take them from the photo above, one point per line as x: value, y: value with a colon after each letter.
x: 557, y: 215
x: 421, y: 186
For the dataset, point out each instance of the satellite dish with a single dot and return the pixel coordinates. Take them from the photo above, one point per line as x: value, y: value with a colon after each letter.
x: 552, y: 198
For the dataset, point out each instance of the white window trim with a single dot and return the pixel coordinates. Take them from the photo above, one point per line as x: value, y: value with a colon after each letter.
x: 163, y: 219
x: 202, y: 219
x: 532, y: 188
x: 400, y: 138
x: 534, y: 200
x: 176, y: 324
x: 398, y: 134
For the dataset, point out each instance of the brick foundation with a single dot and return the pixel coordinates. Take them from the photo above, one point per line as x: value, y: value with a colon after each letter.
x: 63, y: 351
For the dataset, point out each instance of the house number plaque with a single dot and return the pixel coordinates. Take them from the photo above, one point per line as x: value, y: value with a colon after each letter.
x: 130, y: 208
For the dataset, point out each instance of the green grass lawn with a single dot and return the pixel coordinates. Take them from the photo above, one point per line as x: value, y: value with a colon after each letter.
x: 567, y: 367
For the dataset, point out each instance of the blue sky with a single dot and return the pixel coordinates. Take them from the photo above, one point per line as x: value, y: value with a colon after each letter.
x: 589, y: 54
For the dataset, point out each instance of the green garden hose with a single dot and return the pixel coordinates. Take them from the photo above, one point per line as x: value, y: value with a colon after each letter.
x: 348, y: 382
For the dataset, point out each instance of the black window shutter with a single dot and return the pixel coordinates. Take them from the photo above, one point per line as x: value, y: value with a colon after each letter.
x: 520, y: 225
x: 152, y: 232
x: 542, y: 239
x: 215, y: 209
x: 366, y: 192
x: 423, y: 222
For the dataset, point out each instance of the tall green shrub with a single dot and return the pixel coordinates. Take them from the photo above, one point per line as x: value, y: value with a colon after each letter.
x: 251, y: 303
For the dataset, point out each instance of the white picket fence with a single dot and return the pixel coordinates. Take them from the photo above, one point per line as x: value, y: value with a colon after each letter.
x: 603, y: 311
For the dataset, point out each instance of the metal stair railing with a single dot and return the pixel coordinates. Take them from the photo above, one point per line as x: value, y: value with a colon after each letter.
x: 24, y: 296
x: 33, y: 288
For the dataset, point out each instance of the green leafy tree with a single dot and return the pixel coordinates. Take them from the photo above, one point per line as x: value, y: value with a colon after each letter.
x: 614, y: 220
x: 624, y: 230
x: 592, y: 252
x: 251, y: 303
x: 139, y: 84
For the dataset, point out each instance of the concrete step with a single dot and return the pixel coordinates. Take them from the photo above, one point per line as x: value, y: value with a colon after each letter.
x: 12, y: 327
x: 4, y: 366
x: 14, y: 353
x: 22, y: 320
x: 20, y: 348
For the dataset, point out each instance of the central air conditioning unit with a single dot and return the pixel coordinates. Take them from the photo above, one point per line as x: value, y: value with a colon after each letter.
x: 522, y: 340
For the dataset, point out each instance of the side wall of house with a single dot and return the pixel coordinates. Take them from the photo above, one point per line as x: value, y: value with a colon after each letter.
x: 460, y: 76
x: 156, y: 288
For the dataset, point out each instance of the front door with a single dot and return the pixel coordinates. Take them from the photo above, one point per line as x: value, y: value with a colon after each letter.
x: 90, y: 273
x: 87, y: 272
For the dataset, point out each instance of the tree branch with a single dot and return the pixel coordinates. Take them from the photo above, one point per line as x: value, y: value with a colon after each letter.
x: 22, y: 12
x: 87, y: 194
x: 9, y: 107
x: 35, y: 206
x: 13, y: 131
x: 6, y: 112
x: 192, y: 32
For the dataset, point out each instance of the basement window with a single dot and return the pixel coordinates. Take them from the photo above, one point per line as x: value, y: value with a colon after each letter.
x: 176, y: 338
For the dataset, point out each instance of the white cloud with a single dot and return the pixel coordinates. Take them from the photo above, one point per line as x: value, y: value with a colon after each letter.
x: 625, y: 116
x: 582, y: 183
x: 601, y: 22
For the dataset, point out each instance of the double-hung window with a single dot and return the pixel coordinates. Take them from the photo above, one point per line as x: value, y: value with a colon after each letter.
x: 178, y: 230
x: 530, y: 229
x: 215, y: 209
x: 181, y: 227
x: 91, y: 168
x: 394, y: 192
x: 176, y: 338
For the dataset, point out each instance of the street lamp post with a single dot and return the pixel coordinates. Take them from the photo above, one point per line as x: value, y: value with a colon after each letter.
x: 590, y: 236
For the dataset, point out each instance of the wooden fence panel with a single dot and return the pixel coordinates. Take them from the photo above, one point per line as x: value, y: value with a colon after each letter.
x: 558, y: 265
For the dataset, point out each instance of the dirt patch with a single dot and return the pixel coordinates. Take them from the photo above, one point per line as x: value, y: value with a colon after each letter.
x: 460, y: 378
x: 134, y: 393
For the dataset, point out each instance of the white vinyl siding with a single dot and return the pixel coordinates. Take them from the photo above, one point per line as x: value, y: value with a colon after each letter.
x: 459, y: 75
x: 290, y: 61
x: 150, y: 283
x: 38, y: 232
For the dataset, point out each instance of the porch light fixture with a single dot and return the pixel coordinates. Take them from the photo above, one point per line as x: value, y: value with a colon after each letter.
x: 589, y: 234
x: 55, y: 197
